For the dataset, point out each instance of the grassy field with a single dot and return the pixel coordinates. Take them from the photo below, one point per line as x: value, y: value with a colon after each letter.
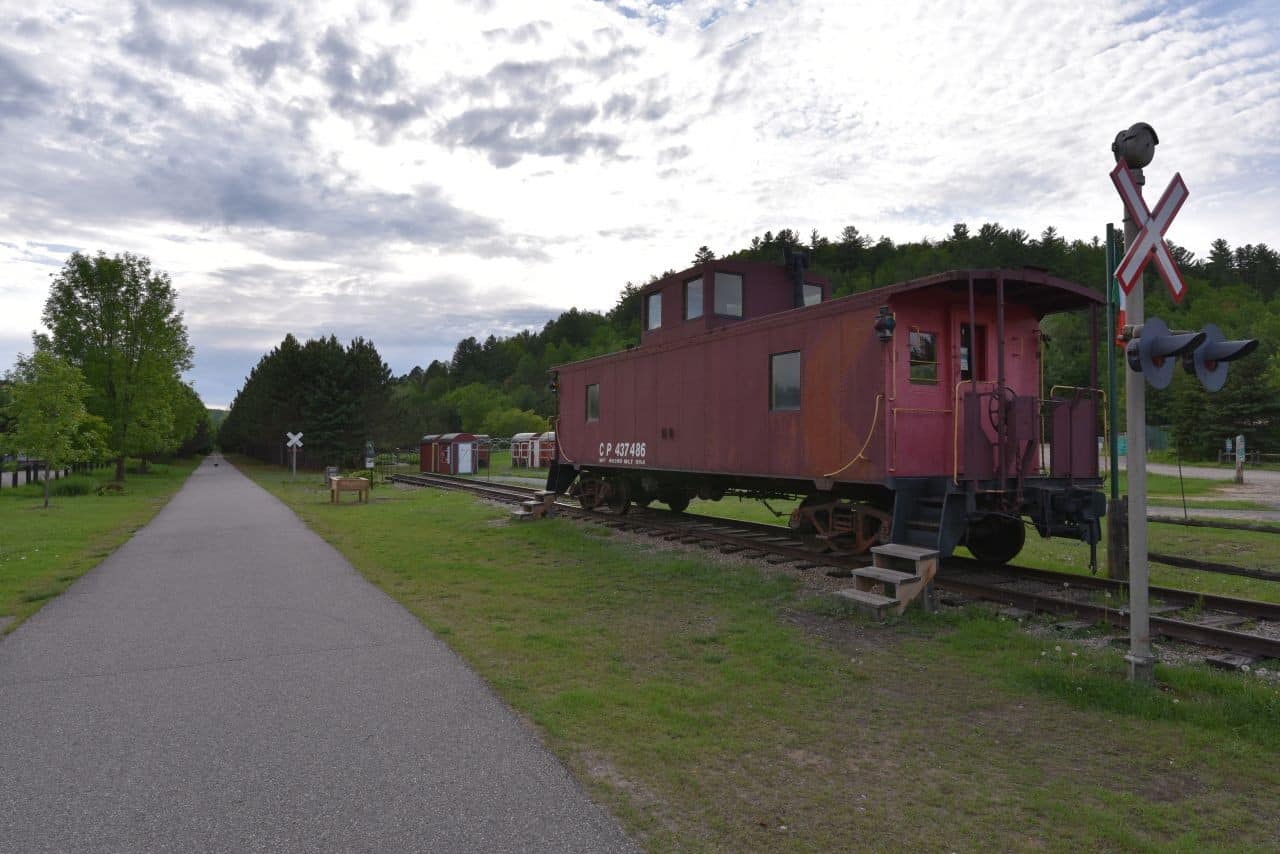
x: 43, y: 551
x: 716, y: 706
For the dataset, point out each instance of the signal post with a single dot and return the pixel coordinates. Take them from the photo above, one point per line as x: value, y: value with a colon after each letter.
x: 1151, y: 352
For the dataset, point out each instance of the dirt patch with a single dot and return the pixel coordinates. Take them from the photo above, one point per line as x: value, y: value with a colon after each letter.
x: 842, y: 633
x: 1261, y: 493
x: 1170, y: 787
x: 601, y: 769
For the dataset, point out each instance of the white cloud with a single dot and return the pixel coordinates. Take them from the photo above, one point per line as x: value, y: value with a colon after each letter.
x: 431, y: 171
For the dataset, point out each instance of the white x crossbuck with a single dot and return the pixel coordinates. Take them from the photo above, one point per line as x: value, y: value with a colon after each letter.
x: 295, y: 439
x: 1152, y: 224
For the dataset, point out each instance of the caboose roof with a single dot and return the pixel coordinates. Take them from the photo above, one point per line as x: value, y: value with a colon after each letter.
x: 1046, y: 294
x: 1042, y: 292
x: 727, y: 265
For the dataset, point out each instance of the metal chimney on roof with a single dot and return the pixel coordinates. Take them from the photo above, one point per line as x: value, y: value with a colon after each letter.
x: 797, y: 261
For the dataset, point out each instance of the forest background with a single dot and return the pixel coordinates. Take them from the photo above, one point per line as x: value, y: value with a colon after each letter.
x: 342, y: 396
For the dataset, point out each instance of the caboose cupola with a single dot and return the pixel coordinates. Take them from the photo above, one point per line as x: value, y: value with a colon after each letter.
x: 721, y: 293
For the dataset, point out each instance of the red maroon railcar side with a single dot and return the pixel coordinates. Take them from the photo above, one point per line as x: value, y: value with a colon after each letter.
x: 917, y: 412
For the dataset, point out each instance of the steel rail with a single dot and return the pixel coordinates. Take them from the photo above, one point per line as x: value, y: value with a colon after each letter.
x: 1175, y: 595
x: 1196, y: 633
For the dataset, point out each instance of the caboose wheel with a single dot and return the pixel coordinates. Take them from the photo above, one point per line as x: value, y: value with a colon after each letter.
x: 997, y: 539
x: 589, y: 489
x: 677, y: 503
x: 618, y: 495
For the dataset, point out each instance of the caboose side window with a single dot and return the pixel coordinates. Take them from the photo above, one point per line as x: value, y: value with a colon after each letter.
x: 653, y: 310
x: 812, y: 294
x: 923, y: 361
x: 593, y: 402
x: 784, y: 381
x: 728, y: 300
x: 693, y: 298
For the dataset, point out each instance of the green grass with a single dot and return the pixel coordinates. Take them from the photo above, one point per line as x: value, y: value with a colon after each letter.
x: 717, y: 707
x: 1241, y: 548
x: 43, y: 551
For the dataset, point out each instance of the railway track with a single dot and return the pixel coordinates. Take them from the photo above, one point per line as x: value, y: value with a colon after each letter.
x: 1205, y: 620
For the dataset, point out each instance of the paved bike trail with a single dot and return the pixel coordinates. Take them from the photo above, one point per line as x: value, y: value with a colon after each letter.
x: 225, y: 681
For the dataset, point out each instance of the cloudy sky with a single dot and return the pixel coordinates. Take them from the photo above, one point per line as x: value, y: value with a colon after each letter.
x: 415, y: 172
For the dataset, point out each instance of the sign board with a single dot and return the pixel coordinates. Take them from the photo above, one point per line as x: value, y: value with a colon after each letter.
x: 295, y: 440
x: 368, y: 455
x: 1122, y: 445
x: 1149, y: 245
x: 1239, y: 450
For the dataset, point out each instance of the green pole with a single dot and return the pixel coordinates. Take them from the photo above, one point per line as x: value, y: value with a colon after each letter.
x: 1113, y: 398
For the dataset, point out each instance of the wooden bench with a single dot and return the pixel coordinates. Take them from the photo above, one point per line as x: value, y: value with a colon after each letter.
x: 339, y: 485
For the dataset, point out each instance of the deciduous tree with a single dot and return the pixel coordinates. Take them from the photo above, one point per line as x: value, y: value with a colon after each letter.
x: 49, y: 414
x: 116, y: 320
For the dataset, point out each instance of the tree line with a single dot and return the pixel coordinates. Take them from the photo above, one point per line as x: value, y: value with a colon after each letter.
x: 105, y: 382
x: 499, y: 386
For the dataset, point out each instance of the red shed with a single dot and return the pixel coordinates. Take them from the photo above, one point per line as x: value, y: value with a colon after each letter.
x: 456, y: 453
x: 522, y: 450
x: 427, y: 453
x: 544, y: 450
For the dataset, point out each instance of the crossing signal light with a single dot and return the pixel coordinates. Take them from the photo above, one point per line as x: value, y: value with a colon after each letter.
x: 1152, y: 353
x: 1209, y: 360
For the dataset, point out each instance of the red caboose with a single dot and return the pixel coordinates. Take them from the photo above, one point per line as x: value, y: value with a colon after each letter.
x: 911, y: 414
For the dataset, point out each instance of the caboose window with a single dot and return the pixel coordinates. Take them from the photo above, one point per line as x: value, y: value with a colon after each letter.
x: 728, y: 294
x: 653, y: 310
x: 784, y: 381
x: 593, y: 402
x: 973, y: 360
x: 693, y: 298
x: 812, y: 294
x: 923, y: 363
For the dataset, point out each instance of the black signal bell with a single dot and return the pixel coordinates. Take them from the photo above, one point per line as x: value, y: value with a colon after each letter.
x: 1209, y: 360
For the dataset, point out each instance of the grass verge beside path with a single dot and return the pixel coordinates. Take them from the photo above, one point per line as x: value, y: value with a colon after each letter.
x: 43, y: 551
x: 717, y: 706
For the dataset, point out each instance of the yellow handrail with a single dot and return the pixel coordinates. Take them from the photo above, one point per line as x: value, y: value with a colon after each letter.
x: 870, y: 432
x: 555, y: 422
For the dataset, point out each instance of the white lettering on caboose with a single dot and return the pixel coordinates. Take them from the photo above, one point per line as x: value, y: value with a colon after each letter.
x: 622, y: 453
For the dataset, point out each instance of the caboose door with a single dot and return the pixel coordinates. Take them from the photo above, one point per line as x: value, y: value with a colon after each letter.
x: 974, y: 394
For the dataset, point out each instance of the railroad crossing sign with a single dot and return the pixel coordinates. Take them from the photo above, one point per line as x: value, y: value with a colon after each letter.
x: 1152, y: 224
x: 294, y: 443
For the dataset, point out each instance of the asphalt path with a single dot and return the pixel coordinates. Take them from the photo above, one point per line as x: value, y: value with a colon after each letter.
x: 226, y: 682
x: 1251, y: 474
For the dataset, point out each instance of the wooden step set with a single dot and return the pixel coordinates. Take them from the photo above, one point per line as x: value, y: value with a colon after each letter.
x: 542, y: 504
x: 897, y: 575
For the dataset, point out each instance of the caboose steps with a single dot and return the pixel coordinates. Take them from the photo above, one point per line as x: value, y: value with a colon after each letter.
x: 536, y: 508
x: 902, y: 572
x: 872, y: 604
x: 897, y: 551
x: 887, y: 577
